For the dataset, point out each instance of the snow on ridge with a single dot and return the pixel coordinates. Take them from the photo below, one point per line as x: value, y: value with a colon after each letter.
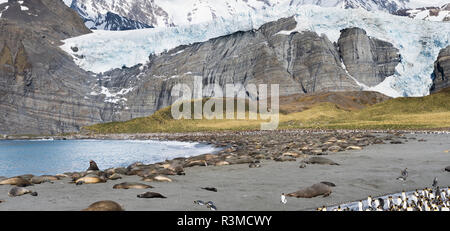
x: 419, y: 41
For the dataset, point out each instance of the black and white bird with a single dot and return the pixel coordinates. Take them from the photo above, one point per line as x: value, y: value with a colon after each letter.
x: 212, y: 207
x: 283, y: 199
x: 435, y: 183
x: 404, y: 175
x: 199, y: 202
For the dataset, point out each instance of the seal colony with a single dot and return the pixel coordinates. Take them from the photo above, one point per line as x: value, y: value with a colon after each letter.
x: 249, y: 149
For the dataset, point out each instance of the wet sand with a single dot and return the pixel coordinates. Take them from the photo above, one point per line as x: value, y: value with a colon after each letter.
x: 371, y: 171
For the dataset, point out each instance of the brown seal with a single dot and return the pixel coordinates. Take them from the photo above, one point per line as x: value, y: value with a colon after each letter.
x: 90, y: 180
x: 114, y: 176
x: 320, y: 160
x: 18, y: 181
x: 221, y: 163
x: 19, y: 191
x: 156, y: 178
x: 131, y: 185
x: 93, y: 166
x: 43, y: 179
x: 104, y: 206
x: 312, y: 191
x: 151, y: 195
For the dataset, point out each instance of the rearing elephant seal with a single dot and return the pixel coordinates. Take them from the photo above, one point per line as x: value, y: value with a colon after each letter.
x: 104, y: 206
x: 93, y: 166
x: 127, y: 185
x: 18, y: 181
x: 312, y: 191
x: 19, y: 191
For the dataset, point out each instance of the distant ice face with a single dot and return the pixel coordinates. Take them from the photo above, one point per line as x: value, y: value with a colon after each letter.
x: 419, y: 41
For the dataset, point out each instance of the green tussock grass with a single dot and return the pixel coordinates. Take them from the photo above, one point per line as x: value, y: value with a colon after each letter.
x: 428, y: 112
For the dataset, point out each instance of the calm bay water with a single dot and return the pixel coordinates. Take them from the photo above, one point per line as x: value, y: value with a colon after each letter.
x: 41, y: 157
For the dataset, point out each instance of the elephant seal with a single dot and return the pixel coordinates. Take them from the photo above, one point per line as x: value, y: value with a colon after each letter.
x: 104, y: 206
x: 221, y: 163
x: 90, y: 180
x: 114, y: 176
x: 156, y: 178
x: 254, y: 165
x: 17, y: 181
x: 320, y: 160
x: 131, y: 185
x: 447, y: 168
x: 26, y: 176
x: 93, y: 166
x: 312, y: 191
x: 43, y: 179
x: 151, y: 195
x: 328, y: 183
x: 193, y: 163
x: 211, y: 189
x: 19, y: 191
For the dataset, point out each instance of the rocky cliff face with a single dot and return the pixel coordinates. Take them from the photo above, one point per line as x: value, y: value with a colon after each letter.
x: 442, y: 71
x: 369, y: 60
x: 42, y: 91
x: 300, y: 62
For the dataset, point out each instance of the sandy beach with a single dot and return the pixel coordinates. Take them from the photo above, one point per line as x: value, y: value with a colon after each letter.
x: 371, y: 171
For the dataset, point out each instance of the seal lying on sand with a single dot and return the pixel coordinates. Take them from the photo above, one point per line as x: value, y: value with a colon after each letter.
x: 43, y: 179
x: 90, y: 180
x: 132, y: 185
x: 151, y: 195
x: 319, y: 160
x: 211, y: 189
x: 156, y: 178
x: 312, y: 191
x: 93, y: 166
x: 18, y: 181
x: 19, y: 191
x: 104, y: 206
x: 114, y: 176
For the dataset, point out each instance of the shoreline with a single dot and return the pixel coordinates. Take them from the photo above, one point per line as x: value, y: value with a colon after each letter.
x: 162, y: 135
x: 286, y: 172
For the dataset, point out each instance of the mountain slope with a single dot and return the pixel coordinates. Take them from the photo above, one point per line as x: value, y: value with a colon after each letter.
x: 106, y: 20
x: 439, y: 14
x: 41, y: 89
x: 165, y: 13
x: 419, y: 42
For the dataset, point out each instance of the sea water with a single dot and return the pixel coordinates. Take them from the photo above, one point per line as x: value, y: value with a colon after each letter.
x: 41, y: 157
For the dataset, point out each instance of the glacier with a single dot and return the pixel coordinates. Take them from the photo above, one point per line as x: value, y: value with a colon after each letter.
x: 419, y: 41
x: 168, y: 13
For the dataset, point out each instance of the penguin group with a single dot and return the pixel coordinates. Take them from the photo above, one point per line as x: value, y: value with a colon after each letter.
x: 427, y: 199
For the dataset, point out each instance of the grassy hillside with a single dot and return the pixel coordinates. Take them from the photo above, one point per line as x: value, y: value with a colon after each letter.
x: 432, y: 111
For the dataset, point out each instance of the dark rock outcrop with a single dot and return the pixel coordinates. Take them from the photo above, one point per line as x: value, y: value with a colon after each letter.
x: 442, y: 70
x: 41, y: 88
x: 369, y: 60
